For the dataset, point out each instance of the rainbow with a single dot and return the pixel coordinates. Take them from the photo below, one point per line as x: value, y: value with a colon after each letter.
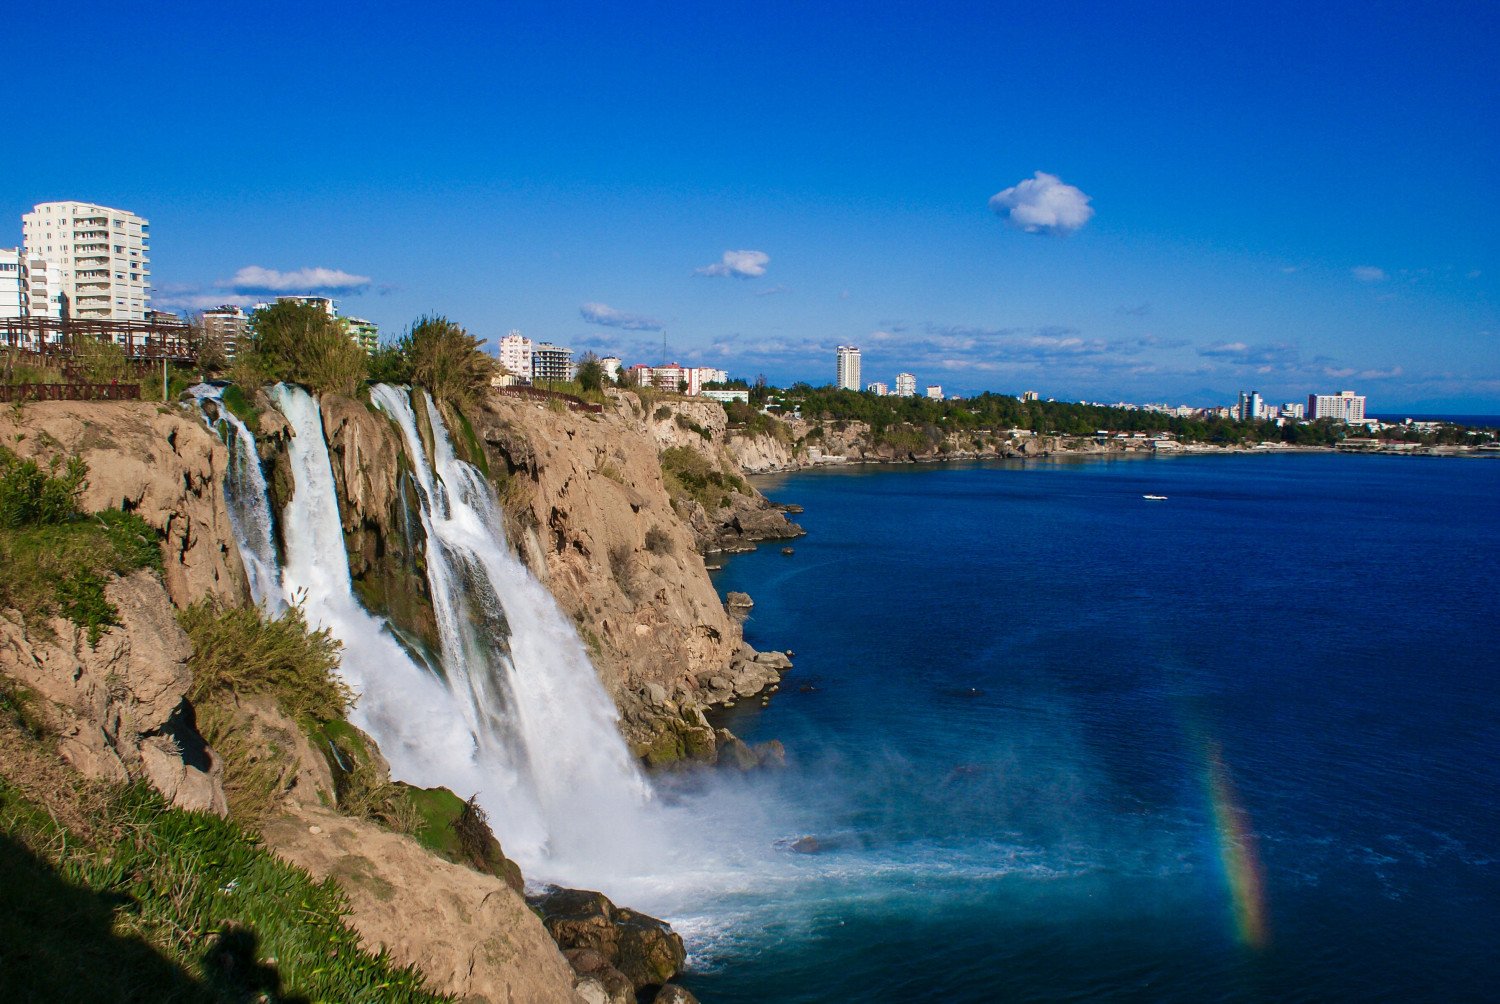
x: 1237, y: 853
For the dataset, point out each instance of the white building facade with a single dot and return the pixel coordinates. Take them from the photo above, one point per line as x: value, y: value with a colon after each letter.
x: 1345, y: 406
x: 551, y: 363
x: 877, y: 388
x: 935, y: 391
x: 101, y: 254
x: 906, y: 385
x: 515, y: 356
x: 848, y: 367
x: 13, y: 302
x: 230, y: 325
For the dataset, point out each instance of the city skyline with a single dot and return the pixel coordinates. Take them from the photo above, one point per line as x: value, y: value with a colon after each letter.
x: 1116, y: 208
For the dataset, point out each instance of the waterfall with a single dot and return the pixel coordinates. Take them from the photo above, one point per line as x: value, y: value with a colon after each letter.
x: 514, y: 712
x: 248, y: 501
x: 515, y: 662
x: 411, y: 714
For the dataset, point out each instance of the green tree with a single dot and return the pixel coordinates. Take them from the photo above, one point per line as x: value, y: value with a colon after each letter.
x: 299, y: 343
x: 590, y: 372
x: 448, y: 361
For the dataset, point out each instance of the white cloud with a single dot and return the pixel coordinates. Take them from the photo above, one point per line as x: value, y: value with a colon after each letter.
x: 602, y: 313
x: 1368, y: 273
x: 1043, y: 204
x: 738, y: 264
x: 253, y: 278
x: 190, y: 300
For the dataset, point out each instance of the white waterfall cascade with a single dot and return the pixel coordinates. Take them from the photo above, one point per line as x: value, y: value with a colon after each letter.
x: 411, y: 714
x: 248, y: 501
x: 546, y: 732
x: 518, y: 715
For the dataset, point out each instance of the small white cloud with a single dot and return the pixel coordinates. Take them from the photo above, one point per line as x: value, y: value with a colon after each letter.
x: 191, y: 300
x: 739, y: 265
x: 603, y: 313
x: 253, y: 278
x: 1474, y: 273
x: 1368, y: 273
x: 1288, y: 269
x: 771, y: 291
x: 1043, y: 204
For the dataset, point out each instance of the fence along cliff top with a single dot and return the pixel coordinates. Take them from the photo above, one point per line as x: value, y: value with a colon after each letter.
x: 144, y: 340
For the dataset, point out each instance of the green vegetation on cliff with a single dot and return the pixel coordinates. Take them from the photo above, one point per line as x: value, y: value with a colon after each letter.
x: 153, y: 903
x: 688, y: 474
x: 57, y: 559
x: 299, y: 343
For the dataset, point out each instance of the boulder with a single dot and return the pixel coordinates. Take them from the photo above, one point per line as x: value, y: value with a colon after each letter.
x: 738, y: 601
x: 598, y: 981
x: 645, y: 950
x: 674, y: 994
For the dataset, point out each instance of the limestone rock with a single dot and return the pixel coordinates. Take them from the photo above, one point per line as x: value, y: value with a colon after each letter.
x: 470, y: 933
x: 160, y: 462
x: 674, y: 994
x: 121, y: 706
x: 644, y: 949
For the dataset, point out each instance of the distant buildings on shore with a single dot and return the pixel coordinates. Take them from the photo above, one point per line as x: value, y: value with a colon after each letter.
x: 848, y: 367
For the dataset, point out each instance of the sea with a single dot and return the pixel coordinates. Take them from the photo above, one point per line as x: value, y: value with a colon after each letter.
x: 1049, y: 740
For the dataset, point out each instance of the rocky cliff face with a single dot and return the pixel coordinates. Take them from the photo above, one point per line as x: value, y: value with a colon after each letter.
x: 586, y: 491
x: 120, y: 708
x: 471, y: 934
x: 586, y: 499
x: 162, y: 464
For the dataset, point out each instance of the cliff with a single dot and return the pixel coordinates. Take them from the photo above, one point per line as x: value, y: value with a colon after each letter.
x: 161, y: 464
x: 590, y: 506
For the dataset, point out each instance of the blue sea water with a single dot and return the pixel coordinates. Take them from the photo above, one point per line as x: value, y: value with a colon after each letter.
x: 1011, y: 681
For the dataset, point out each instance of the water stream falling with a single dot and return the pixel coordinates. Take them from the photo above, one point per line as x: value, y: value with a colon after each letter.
x: 248, y: 501
x: 513, y: 659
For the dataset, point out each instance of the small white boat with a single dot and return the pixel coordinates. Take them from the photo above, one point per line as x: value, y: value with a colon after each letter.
x: 1154, y: 498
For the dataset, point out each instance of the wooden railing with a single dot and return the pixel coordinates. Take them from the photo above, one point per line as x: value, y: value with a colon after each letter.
x: 52, y: 338
x: 70, y: 392
x: 574, y: 402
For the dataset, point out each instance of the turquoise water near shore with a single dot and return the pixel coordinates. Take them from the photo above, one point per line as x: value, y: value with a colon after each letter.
x: 1057, y: 742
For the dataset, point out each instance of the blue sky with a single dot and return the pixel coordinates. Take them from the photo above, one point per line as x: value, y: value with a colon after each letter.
x: 1285, y: 197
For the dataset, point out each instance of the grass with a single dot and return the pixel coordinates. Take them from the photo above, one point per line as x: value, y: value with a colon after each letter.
x: 164, y: 905
x: 240, y: 650
x: 57, y: 559
x: 62, y: 569
x: 688, y: 474
x: 234, y: 399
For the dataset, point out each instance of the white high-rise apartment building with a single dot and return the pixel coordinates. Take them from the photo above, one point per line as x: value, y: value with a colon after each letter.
x: 515, y: 355
x: 12, y: 283
x: 1345, y: 406
x: 101, y: 257
x: 935, y: 391
x: 906, y: 385
x: 1251, y: 407
x: 848, y: 369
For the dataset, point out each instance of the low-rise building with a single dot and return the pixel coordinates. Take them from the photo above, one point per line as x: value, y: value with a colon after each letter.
x: 877, y: 388
x: 726, y: 394
x: 935, y: 391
